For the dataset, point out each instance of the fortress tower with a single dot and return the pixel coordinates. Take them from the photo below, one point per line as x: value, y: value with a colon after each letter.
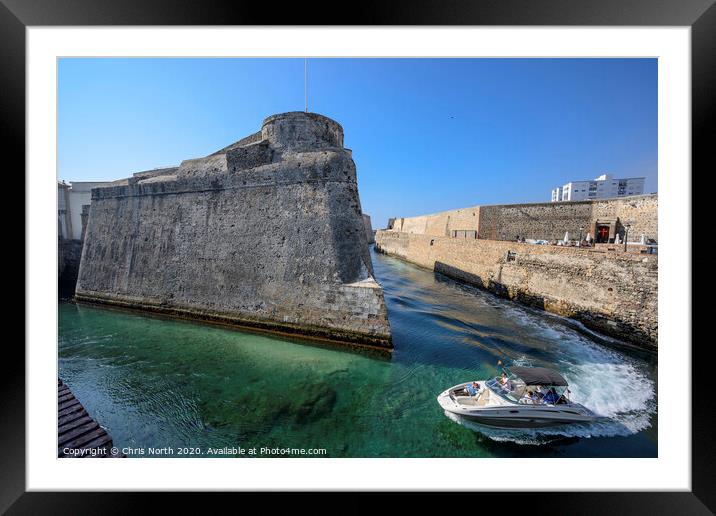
x: 265, y: 233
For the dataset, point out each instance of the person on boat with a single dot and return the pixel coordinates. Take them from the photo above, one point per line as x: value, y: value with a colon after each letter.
x: 551, y: 396
x: 504, y: 382
x: 528, y: 398
x: 564, y: 399
x: 472, y: 388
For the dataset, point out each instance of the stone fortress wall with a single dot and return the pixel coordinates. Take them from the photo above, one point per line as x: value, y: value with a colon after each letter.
x: 612, y: 293
x: 267, y: 232
x: 368, y: 229
x: 69, y: 253
x: 548, y: 221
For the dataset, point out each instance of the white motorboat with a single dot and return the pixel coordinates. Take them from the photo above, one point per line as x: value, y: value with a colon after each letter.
x: 522, y: 397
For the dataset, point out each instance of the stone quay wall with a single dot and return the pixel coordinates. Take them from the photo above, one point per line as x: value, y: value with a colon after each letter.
x: 267, y: 233
x: 612, y: 293
x: 548, y: 221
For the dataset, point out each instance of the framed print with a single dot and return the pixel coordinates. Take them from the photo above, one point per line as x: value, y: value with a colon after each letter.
x: 416, y: 250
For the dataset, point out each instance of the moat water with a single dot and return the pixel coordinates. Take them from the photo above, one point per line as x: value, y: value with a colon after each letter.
x: 163, y: 383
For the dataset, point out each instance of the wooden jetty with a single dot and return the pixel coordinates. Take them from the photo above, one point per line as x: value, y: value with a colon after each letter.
x: 78, y: 435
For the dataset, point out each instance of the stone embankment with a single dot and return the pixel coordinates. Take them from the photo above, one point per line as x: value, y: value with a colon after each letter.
x: 611, y: 293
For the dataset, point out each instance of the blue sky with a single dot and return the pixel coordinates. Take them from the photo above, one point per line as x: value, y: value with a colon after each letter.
x: 427, y: 134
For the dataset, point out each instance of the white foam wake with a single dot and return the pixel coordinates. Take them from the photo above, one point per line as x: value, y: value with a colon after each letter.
x: 606, y: 381
x: 539, y: 436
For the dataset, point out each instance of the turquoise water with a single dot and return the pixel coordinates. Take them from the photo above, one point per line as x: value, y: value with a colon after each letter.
x: 158, y: 383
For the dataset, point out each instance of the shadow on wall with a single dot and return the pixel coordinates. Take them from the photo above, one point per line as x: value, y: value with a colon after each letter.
x: 459, y: 274
x: 627, y: 332
x: 495, y: 287
x: 68, y: 266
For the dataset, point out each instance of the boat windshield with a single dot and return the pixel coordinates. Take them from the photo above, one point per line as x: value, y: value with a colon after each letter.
x: 514, y: 389
x: 510, y: 387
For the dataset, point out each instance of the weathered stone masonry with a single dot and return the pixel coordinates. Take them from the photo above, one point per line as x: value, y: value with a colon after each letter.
x: 68, y: 265
x: 613, y: 293
x: 368, y: 229
x: 547, y: 221
x: 267, y: 232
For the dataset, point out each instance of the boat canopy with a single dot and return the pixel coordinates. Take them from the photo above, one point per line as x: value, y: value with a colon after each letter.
x: 538, y: 376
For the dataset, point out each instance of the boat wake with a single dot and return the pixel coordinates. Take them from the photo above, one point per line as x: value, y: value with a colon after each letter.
x: 604, y: 380
x: 618, y: 391
x: 604, y: 427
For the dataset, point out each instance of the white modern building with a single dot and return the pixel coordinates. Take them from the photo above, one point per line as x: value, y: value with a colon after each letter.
x: 603, y: 187
x: 71, y: 198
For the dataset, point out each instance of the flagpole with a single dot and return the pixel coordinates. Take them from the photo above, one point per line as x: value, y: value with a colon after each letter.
x: 305, y: 81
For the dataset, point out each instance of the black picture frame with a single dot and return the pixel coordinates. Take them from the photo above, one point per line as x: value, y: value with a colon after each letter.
x: 700, y: 15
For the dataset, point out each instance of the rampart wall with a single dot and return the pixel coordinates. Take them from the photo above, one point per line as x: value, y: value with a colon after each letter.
x: 542, y: 221
x: 368, y: 229
x: 69, y: 253
x: 267, y: 233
